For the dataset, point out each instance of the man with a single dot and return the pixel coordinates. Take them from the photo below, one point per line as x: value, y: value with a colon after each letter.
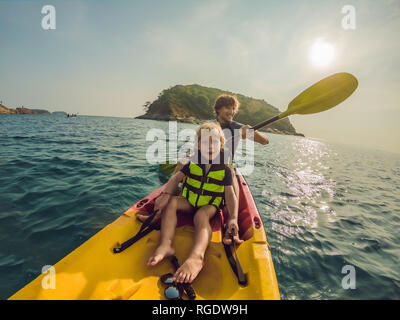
x: 225, y: 107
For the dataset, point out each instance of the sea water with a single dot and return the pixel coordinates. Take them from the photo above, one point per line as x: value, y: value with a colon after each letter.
x: 325, y: 207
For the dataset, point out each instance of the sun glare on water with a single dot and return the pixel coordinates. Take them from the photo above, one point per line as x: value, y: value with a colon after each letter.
x: 322, y: 53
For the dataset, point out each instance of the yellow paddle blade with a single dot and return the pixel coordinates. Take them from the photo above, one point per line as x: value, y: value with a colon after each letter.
x: 323, y: 95
x: 167, y: 168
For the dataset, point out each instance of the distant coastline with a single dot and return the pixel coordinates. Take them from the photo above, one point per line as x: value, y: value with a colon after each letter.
x: 24, y: 110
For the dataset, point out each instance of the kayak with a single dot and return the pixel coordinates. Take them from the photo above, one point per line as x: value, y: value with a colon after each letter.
x: 94, y: 271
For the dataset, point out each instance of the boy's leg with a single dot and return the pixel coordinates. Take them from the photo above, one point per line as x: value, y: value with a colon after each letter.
x: 168, y: 225
x: 202, y: 236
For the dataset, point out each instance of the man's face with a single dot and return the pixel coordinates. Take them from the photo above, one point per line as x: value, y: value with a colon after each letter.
x: 226, y: 113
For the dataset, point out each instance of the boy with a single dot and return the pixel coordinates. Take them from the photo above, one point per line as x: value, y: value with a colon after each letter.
x: 225, y: 108
x: 207, y: 185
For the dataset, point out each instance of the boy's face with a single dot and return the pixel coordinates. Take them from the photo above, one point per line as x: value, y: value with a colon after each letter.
x: 226, y: 113
x: 209, y: 145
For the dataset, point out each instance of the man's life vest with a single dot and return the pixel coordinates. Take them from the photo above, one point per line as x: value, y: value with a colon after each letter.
x: 201, y: 189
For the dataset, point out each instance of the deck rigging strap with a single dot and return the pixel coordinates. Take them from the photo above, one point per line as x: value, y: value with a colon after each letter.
x: 234, y: 262
x: 144, y: 230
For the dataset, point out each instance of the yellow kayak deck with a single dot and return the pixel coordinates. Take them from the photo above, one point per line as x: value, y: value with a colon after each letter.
x: 93, y: 271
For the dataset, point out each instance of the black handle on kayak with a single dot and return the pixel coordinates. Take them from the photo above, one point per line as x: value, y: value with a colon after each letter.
x: 241, y: 277
x: 234, y: 262
x: 186, y: 286
x: 144, y: 230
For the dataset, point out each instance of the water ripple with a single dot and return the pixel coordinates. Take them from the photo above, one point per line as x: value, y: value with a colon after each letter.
x: 323, y: 206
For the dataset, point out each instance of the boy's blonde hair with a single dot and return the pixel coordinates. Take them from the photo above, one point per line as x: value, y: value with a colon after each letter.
x: 211, y: 126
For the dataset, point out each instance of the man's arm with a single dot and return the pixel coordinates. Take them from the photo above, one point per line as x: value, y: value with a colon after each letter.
x: 258, y: 136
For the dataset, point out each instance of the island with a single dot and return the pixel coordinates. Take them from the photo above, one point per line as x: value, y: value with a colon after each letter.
x: 24, y: 110
x: 194, y: 104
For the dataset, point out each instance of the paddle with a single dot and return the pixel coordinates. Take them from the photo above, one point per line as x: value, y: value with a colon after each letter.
x: 321, y: 96
x: 167, y: 168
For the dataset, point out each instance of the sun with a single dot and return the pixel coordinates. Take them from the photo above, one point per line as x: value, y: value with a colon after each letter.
x: 322, y: 53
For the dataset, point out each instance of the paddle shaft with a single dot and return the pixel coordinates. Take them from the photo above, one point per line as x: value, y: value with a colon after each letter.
x: 265, y: 123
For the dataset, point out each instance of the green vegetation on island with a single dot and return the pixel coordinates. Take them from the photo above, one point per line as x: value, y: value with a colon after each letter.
x: 194, y: 103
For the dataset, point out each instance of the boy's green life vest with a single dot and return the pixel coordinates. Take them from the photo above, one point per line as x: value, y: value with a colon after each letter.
x: 200, y: 189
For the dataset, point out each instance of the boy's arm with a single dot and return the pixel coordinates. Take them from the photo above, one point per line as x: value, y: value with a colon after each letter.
x: 164, y: 198
x: 173, y: 182
x: 232, y: 223
x: 231, y: 202
x: 169, y: 190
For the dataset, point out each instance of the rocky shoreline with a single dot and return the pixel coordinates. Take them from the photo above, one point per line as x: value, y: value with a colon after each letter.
x: 193, y: 120
x: 24, y: 110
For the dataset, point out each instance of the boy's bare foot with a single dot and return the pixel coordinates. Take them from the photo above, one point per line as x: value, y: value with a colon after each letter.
x: 160, y: 253
x: 189, y: 270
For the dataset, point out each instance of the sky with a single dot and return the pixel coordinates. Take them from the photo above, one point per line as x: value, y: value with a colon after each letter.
x: 108, y: 58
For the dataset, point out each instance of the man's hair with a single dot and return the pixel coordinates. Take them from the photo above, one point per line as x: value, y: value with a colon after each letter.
x: 226, y: 100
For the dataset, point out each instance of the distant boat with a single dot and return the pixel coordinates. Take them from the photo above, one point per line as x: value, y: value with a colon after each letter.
x: 71, y: 115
